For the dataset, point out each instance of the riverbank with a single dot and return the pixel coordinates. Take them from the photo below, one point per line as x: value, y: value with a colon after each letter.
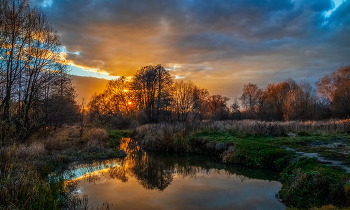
x: 24, y: 170
x: 307, y: 182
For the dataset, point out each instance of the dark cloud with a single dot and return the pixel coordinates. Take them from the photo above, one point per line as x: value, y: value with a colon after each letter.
x: 235, y: 42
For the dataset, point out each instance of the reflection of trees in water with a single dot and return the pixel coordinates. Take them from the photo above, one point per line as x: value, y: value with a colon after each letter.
x: 122, y: 171
x: 119, y: 172
x: 156, y: 172
x: 152, y: 174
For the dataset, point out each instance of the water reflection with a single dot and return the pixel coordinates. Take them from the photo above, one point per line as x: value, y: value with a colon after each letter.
x: 150, y: 181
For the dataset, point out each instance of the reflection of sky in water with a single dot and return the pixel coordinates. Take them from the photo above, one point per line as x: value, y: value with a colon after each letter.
x: 82, y: 170
x: 204, y: 191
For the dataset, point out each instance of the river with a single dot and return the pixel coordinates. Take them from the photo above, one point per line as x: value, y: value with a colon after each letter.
x: 148, y: 181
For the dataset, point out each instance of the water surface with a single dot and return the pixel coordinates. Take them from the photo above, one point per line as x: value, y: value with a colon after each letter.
x: 148, y: 181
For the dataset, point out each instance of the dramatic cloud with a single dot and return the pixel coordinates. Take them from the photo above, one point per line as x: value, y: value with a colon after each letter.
x: 219, y: 45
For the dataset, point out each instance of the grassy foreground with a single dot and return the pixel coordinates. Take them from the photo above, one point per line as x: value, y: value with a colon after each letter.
x: 307, y: 183
x: 24, y: 169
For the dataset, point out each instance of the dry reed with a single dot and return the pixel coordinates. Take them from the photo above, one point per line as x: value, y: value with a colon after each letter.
x: 244, y: 126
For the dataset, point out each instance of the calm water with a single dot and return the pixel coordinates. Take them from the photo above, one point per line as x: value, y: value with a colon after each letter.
x: 146, y: 181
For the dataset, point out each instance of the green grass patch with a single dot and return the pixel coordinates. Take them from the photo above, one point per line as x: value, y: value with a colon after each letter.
x: 249, y: 150
x: 307, y: 183
x: 260, y: 155
x: 116, y: 135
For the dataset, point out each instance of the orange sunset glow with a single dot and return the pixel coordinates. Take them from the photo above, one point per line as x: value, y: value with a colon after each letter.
x: 175, y: 104
x: 221, y: 50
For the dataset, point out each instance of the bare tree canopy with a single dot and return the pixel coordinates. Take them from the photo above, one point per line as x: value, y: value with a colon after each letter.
x: 33, y: 71
x: 152, y: 87
x: 250, y: 98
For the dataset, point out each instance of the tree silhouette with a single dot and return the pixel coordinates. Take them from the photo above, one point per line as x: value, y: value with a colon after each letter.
x: 33, y: 71
x: 152, y: 86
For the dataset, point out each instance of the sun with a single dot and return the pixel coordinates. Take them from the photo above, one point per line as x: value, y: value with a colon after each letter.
x: 129, y: 102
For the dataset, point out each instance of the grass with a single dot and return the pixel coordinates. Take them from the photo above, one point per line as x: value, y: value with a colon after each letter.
x: 245, y: 149
x: 23, y: 188
x: 24, y: 169
x: 306, y: 183
x: 116, y: 135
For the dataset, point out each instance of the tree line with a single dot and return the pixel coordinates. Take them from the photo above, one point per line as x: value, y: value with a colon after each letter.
x: 36, y: 91
x: 152, y: 96
x: 289, y: 100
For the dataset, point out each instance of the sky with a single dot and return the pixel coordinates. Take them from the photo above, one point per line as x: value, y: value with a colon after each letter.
x: 217, y: 44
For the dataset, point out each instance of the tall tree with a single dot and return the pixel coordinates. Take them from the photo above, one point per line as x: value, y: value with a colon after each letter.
x: 287, y: 101
x: 188, y: 101
x: 32, y: 69
x: 218, y: 109
x: 152, y: 88
x: 250, y: 98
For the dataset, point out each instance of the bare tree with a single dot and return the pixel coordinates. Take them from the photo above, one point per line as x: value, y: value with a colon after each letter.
x: 188, y: 101
x: 32, y: 69
x: 235, y: 110
x: 119, y: 94
x: 287, y: 101
x: 218, y: 109
x: 250, y: 98
x: 152, y: 88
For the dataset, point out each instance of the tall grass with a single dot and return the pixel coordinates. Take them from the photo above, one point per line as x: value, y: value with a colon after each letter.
x: 22, y: 186
x: 24, y: 183
x: 73, y: 137
x: 175, y: 133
